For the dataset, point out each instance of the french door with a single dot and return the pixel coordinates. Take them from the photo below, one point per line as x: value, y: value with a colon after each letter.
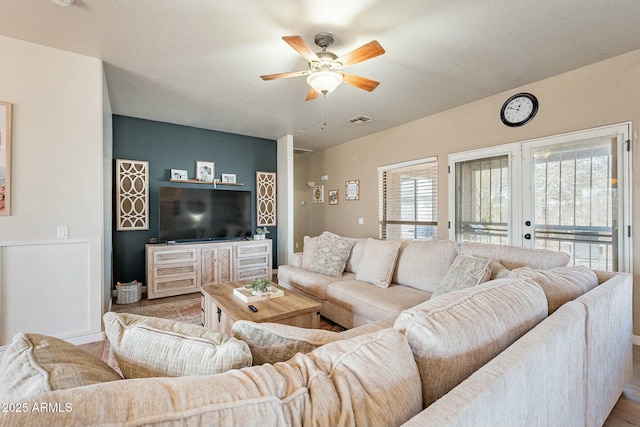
x: 569, y: 192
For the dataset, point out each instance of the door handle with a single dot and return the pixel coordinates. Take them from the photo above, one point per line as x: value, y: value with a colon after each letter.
x: 527, y: 236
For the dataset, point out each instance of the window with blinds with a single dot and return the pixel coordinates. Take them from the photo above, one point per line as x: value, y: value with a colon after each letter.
x: 408, y: 200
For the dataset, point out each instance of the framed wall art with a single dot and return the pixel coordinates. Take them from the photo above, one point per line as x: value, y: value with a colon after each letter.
x: 266, y: 198
x: 318, y: 194
x: 205, y: 170
x: 5, y: 158
x: 333, y: 197
x: 229, y: 178
x: 352, y: 190
x: 132, y: 195
x: 179, y: 174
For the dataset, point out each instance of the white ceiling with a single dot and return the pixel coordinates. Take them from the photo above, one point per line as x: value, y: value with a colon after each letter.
x: 197, y: 62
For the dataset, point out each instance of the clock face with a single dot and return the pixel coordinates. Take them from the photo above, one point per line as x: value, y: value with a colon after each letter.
x: 519, y: 109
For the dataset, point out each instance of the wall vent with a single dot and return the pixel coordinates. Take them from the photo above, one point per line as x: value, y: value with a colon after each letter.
x: 361, y: 120
x: 301, y: 150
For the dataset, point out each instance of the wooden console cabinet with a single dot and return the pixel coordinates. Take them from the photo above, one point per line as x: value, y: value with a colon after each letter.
x: 183, y: 268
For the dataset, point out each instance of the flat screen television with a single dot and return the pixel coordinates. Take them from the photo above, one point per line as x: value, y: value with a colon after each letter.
x: 189, y: 214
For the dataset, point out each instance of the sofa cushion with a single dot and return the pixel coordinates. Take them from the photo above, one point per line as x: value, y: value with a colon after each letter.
x: 308, y: 281
x: 330, y: 255
x: 561, y: 284
x: 355, y: 257
x: 379, y: 262
x: 455, y: 334
x: 422, y: 264
x: 274, y: 342
x: 308, y: 248
x: 373, y: 302
x: 465, y: 272
x: 34, y: 364
x: 369, y: 380
x: 515, y: 256
x: 150, y: 347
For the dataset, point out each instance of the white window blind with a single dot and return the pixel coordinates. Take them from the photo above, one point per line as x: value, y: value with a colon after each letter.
x: 408, y: 200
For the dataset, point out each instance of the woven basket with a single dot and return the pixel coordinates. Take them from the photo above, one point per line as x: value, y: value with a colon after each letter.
x: 129, y: 293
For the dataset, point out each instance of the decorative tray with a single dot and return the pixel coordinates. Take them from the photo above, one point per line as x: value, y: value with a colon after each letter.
x: 246, y: 295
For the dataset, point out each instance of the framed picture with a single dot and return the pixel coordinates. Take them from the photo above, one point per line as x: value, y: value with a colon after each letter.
x: 352, y: 190
x: 179, y: 174
x: 229, y: 178
x: 5, y: 158
x: 318, y: 194
x: 205, y: 170
x: 333, y: 197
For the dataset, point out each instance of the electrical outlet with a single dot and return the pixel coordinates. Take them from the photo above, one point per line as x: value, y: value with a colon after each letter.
x: 360, y: 221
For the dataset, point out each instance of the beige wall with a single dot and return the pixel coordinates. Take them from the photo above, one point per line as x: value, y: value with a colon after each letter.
x: 604, y: 93
x: 51, y: 285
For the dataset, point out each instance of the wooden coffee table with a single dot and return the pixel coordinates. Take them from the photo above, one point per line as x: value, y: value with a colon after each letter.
x: 221, y: 309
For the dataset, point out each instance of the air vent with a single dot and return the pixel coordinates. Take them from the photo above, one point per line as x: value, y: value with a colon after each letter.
x: 301, y: 150
x: 361, y: 120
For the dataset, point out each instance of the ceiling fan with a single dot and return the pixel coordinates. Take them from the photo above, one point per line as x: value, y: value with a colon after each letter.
x: 325, y: 68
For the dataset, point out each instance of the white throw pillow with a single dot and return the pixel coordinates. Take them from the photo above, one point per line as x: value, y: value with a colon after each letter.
x: 34, y: 364
x: 378, y: 262
x: 330, y: 255
x: 465, y: 272
x: 308, y: 248
x: 151, y: 347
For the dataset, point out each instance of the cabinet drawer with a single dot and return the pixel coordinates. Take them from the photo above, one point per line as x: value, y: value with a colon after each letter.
x: 260, y: 260
x: 175, y: 256
x: 252, y: 249
x: 186, y: 284
x: 254, y: 272
x: 161, y: 271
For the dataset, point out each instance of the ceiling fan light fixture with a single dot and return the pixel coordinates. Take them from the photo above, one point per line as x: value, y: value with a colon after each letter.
x: 324, y: 81
x: 63, y: 2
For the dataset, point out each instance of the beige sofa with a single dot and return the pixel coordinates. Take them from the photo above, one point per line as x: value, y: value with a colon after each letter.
x: 417, y: 268
x: 485, y: 355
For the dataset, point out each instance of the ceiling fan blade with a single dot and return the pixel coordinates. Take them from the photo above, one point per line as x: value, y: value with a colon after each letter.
x: 283, y: 75
x: 360, y: 82
x: 311, y: 95
x: 301, y: 47
x: 367, y: 51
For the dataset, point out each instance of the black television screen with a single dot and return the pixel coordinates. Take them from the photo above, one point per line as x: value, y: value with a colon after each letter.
x: 204, y: 214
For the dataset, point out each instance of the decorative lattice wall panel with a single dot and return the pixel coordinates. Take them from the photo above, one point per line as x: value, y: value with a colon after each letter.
x: 132, y: 195
x: 266, y: 198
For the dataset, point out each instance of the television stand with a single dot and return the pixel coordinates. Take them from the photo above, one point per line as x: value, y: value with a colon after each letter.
x: 177, y: 269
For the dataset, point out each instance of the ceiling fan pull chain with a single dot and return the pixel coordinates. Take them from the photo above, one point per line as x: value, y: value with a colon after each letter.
x: 324, y: 123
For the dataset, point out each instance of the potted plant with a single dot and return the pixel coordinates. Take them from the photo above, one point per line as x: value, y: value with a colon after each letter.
x: 261, y: 233
x: 259, y: 286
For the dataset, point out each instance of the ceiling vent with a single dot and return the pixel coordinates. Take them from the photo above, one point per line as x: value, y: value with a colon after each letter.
x: 361, y: 120
x: 301, y: 150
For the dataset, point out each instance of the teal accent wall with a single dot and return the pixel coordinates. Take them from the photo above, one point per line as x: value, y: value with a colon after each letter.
x: 167, y: 146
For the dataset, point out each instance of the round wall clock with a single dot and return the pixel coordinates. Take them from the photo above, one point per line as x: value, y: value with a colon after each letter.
x: 519, y: 109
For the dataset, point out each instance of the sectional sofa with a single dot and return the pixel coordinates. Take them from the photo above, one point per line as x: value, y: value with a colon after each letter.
x: 538, y: 347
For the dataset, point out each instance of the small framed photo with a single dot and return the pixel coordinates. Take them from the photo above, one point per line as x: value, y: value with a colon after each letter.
x: 318, y: 194
x: 333, y: 197
x: 352, y: 190
x: 178, y: 174
x: 205, y: 170
x: 229, y: 178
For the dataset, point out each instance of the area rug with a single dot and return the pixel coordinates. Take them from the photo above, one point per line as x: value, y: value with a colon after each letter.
x: 187, y: 311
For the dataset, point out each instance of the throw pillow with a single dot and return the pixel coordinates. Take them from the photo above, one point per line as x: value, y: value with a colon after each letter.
x: 150, y: 347
x: 378, y: 262
x: 465, y: 272
x: 34, y: 364
x: 561, y: 284
x: 330, y: 255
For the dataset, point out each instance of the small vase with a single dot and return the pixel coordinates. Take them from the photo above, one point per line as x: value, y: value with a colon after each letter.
x: 256, y: 293
x: 256, y: 237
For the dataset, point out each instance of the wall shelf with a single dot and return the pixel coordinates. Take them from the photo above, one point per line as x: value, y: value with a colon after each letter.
x: 195, y: 181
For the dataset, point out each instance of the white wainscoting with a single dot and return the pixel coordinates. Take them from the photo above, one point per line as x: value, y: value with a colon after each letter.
x: 52, y: 288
